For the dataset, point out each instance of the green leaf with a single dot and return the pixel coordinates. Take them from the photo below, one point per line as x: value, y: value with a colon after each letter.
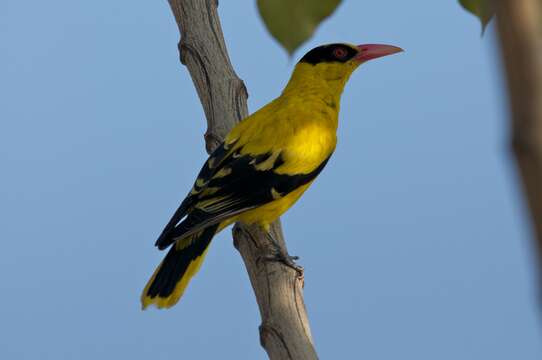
x: 481, y: 8
x: 292, y: 22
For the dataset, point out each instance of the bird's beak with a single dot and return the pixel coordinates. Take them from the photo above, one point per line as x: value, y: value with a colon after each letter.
x: 372, y: 51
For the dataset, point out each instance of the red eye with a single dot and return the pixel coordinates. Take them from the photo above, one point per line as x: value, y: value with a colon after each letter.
x: 340, y: 53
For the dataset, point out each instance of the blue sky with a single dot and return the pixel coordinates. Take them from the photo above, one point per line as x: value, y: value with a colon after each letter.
x: 414, y: 237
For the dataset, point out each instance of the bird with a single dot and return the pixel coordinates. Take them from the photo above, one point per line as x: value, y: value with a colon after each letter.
x: 263, y: 166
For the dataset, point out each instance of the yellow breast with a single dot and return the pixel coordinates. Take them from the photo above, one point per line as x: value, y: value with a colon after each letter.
x: 266, y: 214
x: 301, y: 127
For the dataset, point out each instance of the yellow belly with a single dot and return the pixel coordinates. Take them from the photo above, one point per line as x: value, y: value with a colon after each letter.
x: 266, y: 214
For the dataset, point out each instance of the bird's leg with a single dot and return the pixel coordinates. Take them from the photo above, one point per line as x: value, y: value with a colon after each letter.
x: 281, y: 255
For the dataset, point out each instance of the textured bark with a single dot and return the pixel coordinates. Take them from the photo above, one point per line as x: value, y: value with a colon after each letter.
x: 520, y: 31
x: 284, y: 332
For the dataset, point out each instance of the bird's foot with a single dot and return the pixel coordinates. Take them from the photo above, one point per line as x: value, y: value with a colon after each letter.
x: 287, y: 260
x: 280, y: 255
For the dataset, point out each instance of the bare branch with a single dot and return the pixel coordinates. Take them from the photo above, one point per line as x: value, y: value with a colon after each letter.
x: 520, y: 30
x: 284, y: 332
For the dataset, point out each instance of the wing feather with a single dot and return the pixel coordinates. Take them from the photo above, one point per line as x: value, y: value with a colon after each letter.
x: 230, y: 183
x: 211, y: 166
x: 245, y: 188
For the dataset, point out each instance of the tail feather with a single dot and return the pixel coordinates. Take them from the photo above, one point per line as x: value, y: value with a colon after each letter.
x: 182, y: 262
x: 164, y: 240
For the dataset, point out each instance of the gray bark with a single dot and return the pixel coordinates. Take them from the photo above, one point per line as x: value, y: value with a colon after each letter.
x: 284, y: 332
x: 520, y: 32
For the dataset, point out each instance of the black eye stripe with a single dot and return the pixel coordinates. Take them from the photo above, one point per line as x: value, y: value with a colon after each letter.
x: 329, y: 53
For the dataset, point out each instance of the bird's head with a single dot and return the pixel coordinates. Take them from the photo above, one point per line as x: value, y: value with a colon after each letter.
x: 334, y: 63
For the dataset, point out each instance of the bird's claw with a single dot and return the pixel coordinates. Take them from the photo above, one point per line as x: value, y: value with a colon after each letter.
x: 282, y: 256
x: 286, y: 260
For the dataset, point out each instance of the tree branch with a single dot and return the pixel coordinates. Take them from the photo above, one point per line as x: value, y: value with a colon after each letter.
x: 284, y: 332
x: 520, y: 30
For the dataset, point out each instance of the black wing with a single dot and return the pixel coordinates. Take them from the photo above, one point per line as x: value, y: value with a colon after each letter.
x: 207, y: 171
x: 240, y: 183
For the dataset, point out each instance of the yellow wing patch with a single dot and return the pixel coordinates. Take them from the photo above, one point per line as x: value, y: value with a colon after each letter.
x: 266, y: 164
x: 225, y: 171
x: 275, y: 194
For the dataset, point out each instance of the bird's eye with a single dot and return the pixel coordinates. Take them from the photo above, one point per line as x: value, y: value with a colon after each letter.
x: 340, y: 53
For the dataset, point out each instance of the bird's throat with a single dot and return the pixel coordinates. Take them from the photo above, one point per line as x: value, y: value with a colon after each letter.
x: 309, y: 83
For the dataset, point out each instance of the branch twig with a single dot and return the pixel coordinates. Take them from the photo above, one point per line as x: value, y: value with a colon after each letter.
x: 520, y: 29
x: 284, y: 332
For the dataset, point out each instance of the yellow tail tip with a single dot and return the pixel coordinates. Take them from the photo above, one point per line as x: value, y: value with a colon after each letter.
x: 164, y: 302
x: 159, y: 303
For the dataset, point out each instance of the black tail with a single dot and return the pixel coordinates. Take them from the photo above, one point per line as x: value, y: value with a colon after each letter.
x: 181, y: 263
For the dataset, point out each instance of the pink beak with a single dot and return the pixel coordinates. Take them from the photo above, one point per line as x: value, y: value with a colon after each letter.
x: 372, y: 51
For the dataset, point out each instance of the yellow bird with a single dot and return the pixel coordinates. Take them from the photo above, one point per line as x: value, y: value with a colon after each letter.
x: 262, y: 168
